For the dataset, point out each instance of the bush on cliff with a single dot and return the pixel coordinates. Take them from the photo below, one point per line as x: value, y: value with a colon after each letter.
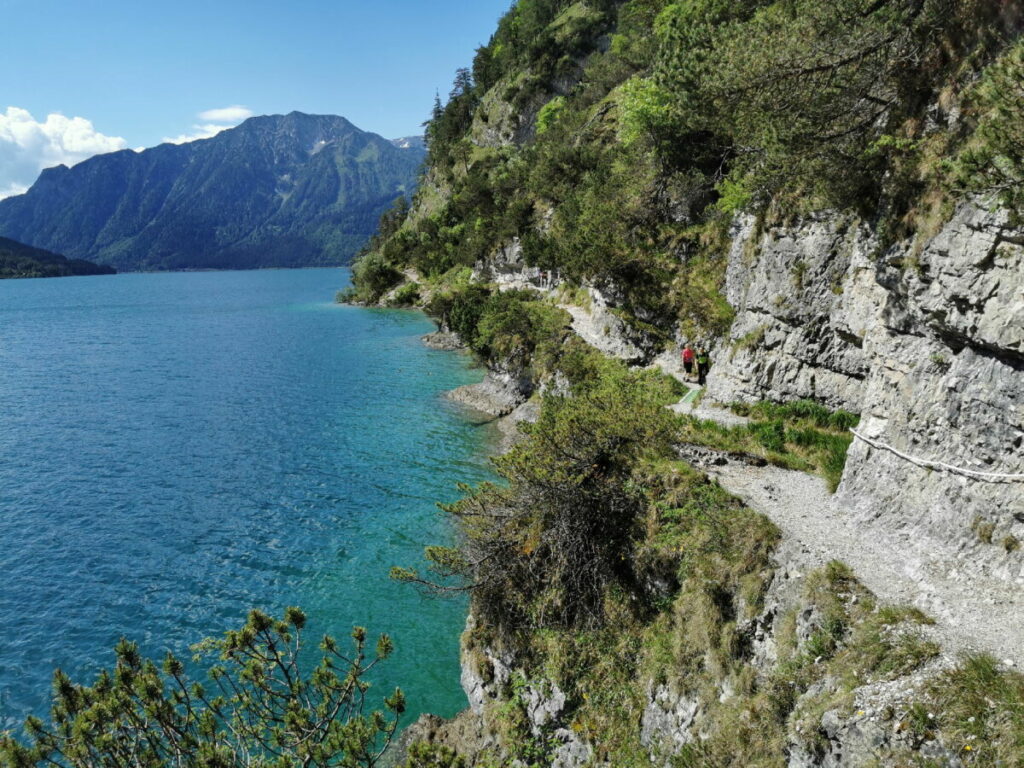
x: 506, y: 328
x: 549, y: 546
x: 993, y: 161
x: 261, y: 709
x: 372, y: 277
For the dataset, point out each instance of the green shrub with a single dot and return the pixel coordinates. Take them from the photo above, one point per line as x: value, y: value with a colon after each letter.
x: 549, y: 114
x: 512, y: 325
x: 267, y: 701
x: 372, y: 277
x: 548, y: 548
x: 993, y: 161
x: 976, y: 709
x: 770, y: 434
x: 406, y: 296
x: 423, y: 755
x: 805, y: 412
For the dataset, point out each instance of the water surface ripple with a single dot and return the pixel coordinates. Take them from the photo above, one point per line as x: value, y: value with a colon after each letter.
x: 178, y: 448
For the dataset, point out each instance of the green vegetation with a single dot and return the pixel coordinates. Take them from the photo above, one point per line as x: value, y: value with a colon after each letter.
x: 18, y: 260
x: 433, y: 756
x: 993, y: 161
x: 802, y: 413
x: 261, y: 708
x: 608, y: 566
x: 803, y: 435
x: 555, y: 542
x: 596, y: 541
x: 645, y: 149
x: 978, y: 709
x: 511, y: 328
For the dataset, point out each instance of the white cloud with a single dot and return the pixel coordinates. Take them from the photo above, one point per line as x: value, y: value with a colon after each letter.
x: 13, y: 189
x: 199, y: 132
x: 28, y: 146
x: 235, y: 114
x: 214, y: 121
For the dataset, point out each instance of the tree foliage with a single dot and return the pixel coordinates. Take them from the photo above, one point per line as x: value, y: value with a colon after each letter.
x: 549, y: 546
x: 993, y: 162
x: 262, y: 707
x: 506, y: 328
x: 657, y: 121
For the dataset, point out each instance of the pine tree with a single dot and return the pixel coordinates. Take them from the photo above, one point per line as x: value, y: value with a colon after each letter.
x: 261, y: 709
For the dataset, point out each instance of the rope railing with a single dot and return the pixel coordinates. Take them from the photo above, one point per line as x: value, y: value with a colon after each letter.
x: 992, y: 477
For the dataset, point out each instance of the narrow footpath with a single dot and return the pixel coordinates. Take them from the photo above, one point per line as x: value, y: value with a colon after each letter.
x: 979, y: 616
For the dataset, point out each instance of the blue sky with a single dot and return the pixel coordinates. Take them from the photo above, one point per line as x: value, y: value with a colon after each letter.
x: 141, y: 72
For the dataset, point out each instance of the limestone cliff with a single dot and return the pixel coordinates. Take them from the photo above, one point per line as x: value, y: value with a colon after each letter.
x: 925, y: 340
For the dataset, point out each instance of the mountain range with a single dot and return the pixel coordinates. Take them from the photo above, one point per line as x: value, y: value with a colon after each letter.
x: 276, y: 191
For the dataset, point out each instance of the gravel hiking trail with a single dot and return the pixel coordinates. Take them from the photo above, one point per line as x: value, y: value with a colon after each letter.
x: 976, y: 616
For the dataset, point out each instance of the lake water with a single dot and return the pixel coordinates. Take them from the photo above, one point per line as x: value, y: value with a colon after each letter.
x: 178, y: 448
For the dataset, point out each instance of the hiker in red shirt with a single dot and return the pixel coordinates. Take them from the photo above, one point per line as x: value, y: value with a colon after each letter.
x: 688, y: 357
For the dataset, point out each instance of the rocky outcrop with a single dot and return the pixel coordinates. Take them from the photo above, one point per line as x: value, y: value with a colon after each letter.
x: 599, y: 326
x: 797, y: 333
x: 494, y: 683
x: 829, y: 725
x: 507, y: 269
x: 594, y: 314
x: 926, y: 341
x: 497, y: 395
x: 444, y: 341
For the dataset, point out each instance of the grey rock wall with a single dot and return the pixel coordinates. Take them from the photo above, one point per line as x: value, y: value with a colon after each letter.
x: 493, y: 679
x: 926, y: 341
x: 797, y: 332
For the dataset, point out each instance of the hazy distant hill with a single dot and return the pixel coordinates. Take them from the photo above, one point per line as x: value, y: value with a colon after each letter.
x: 277, y: 191
x: 20, y: 260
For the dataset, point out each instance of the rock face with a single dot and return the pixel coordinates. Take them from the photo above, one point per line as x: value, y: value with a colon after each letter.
x: 507, y: 269
x: 793, y: 335
x: 494, y: 680
x: 865, y: 726
x: 497, y: 395
x: 277, y: 191
x: 601, y: 328
x: 926, y: 341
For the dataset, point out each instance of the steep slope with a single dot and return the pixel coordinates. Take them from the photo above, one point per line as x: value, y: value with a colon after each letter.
x: 829, y: 197
x: 276, y: 191
x: 19, y: 260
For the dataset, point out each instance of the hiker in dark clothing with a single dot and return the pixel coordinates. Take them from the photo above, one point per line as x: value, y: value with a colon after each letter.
x: 703, y: 364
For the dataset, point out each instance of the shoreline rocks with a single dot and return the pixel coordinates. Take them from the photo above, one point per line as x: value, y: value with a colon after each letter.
x: 497, y: 395
x: 444, y: 341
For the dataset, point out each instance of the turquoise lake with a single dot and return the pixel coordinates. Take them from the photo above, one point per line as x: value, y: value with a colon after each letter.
x: 178, y: 448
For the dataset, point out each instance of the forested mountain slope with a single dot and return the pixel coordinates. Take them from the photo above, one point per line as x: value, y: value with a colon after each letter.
x: 277, y: 191
x: 616, y: 141
x: 19, y: 260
